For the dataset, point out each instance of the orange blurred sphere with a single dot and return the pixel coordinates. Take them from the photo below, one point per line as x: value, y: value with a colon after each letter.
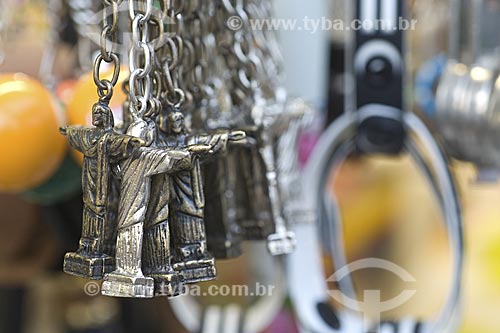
x: 31, y: 146
x: 64, y: 91
x: 84, y: 96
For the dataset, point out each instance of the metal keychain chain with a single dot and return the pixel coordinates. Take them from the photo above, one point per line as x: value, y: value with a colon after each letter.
x: 135, y: 218
x: 269, y: 74
x: 191, y: 257
x: 223, y: 190
x: 207, y: 121
x: 108, y: 37
x: 256, y: 222
x: 238, y: 44
x: 297, y: 114
x: 195, y: 23
x: 82, y: 12
x: 141, y: 58
x: 161, y: 242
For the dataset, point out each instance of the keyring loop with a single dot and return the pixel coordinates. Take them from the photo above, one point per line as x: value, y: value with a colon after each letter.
x: 106, y: 32
x: 332, y: 149
x: 146, y: 68
x: 97, y: 67
x: 105, y: 94
x: 181, y: 98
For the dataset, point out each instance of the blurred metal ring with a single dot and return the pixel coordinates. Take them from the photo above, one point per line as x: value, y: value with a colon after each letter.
x: 308, y: 291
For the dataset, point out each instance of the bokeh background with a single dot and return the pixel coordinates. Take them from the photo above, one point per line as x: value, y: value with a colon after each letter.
x: 387, y: 206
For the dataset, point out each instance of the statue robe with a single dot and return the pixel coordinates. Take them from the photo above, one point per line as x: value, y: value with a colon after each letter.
x: 101, y: 148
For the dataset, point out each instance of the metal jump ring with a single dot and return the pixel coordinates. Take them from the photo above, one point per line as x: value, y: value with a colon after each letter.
x: 181, y: 98
x: 116, y: 70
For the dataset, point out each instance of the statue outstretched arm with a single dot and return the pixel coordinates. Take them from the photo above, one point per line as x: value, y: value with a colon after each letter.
x: 161, y: 160
x: 219, y: 141
x: 79, y: 137
x: 122, y: 146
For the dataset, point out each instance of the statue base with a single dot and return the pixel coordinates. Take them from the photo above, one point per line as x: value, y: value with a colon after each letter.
x: 168, y: 284
x: 281, y: 243
x: 121, y: 285
x: 194, y: 271
x: 224, y: 248
x: 88, y: 266
x: 256, y: 230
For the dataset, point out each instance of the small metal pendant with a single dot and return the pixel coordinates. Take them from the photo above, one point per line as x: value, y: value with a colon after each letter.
x: 222, y: 187
x: 279, y: 153
x: 271, y: 167
x: 282, y: 241
x: 143, y: 220
x: 258, y: 223
x: 102, y: 147
x: 192, y: 258
x: 288, y: 167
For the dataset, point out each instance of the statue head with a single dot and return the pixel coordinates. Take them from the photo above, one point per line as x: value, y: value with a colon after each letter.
x: 102, y: 117
x: 176, y: 122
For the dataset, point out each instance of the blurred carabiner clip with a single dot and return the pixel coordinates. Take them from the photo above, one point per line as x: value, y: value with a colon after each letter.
x: 309, y: 290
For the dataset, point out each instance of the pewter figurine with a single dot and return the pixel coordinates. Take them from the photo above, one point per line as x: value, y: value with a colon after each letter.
x: 190, y: 248
x: 128, y: 280
x: 101, y: 147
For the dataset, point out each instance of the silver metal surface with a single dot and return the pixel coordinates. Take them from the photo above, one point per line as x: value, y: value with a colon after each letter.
x: 190, y: 249
x: 136, y: 174
x: 254, y: 61
x: 467, y: 111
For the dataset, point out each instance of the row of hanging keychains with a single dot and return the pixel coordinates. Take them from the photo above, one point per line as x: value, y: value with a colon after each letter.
x: 147, y: 230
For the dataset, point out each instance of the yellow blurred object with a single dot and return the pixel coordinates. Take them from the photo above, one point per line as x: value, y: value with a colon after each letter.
x: 31, y: 146
x: 363, y: 190
x: 482, y: 270
x: 84, y: 95
x: 64, y: 90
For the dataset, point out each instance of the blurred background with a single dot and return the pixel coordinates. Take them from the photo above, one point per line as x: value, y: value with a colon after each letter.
x: 388, y: 208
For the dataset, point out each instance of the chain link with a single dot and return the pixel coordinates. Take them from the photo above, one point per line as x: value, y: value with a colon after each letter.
x: 143, y: 82
x: 195, y: 69
x: 108, y: 37
x: 236, y: 47
x: 251, y: 55
x: 110, y: 26
x: 172, y: 55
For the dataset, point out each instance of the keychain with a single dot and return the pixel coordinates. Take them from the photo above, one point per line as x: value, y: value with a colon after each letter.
x: 136, y: 173
x: 194, y: 77
x: 193, y: 259
x: 145, y: 216
x: 170, y: 161
x: 258, y: 103
x: 188, y: 225
x: 103, y: 148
